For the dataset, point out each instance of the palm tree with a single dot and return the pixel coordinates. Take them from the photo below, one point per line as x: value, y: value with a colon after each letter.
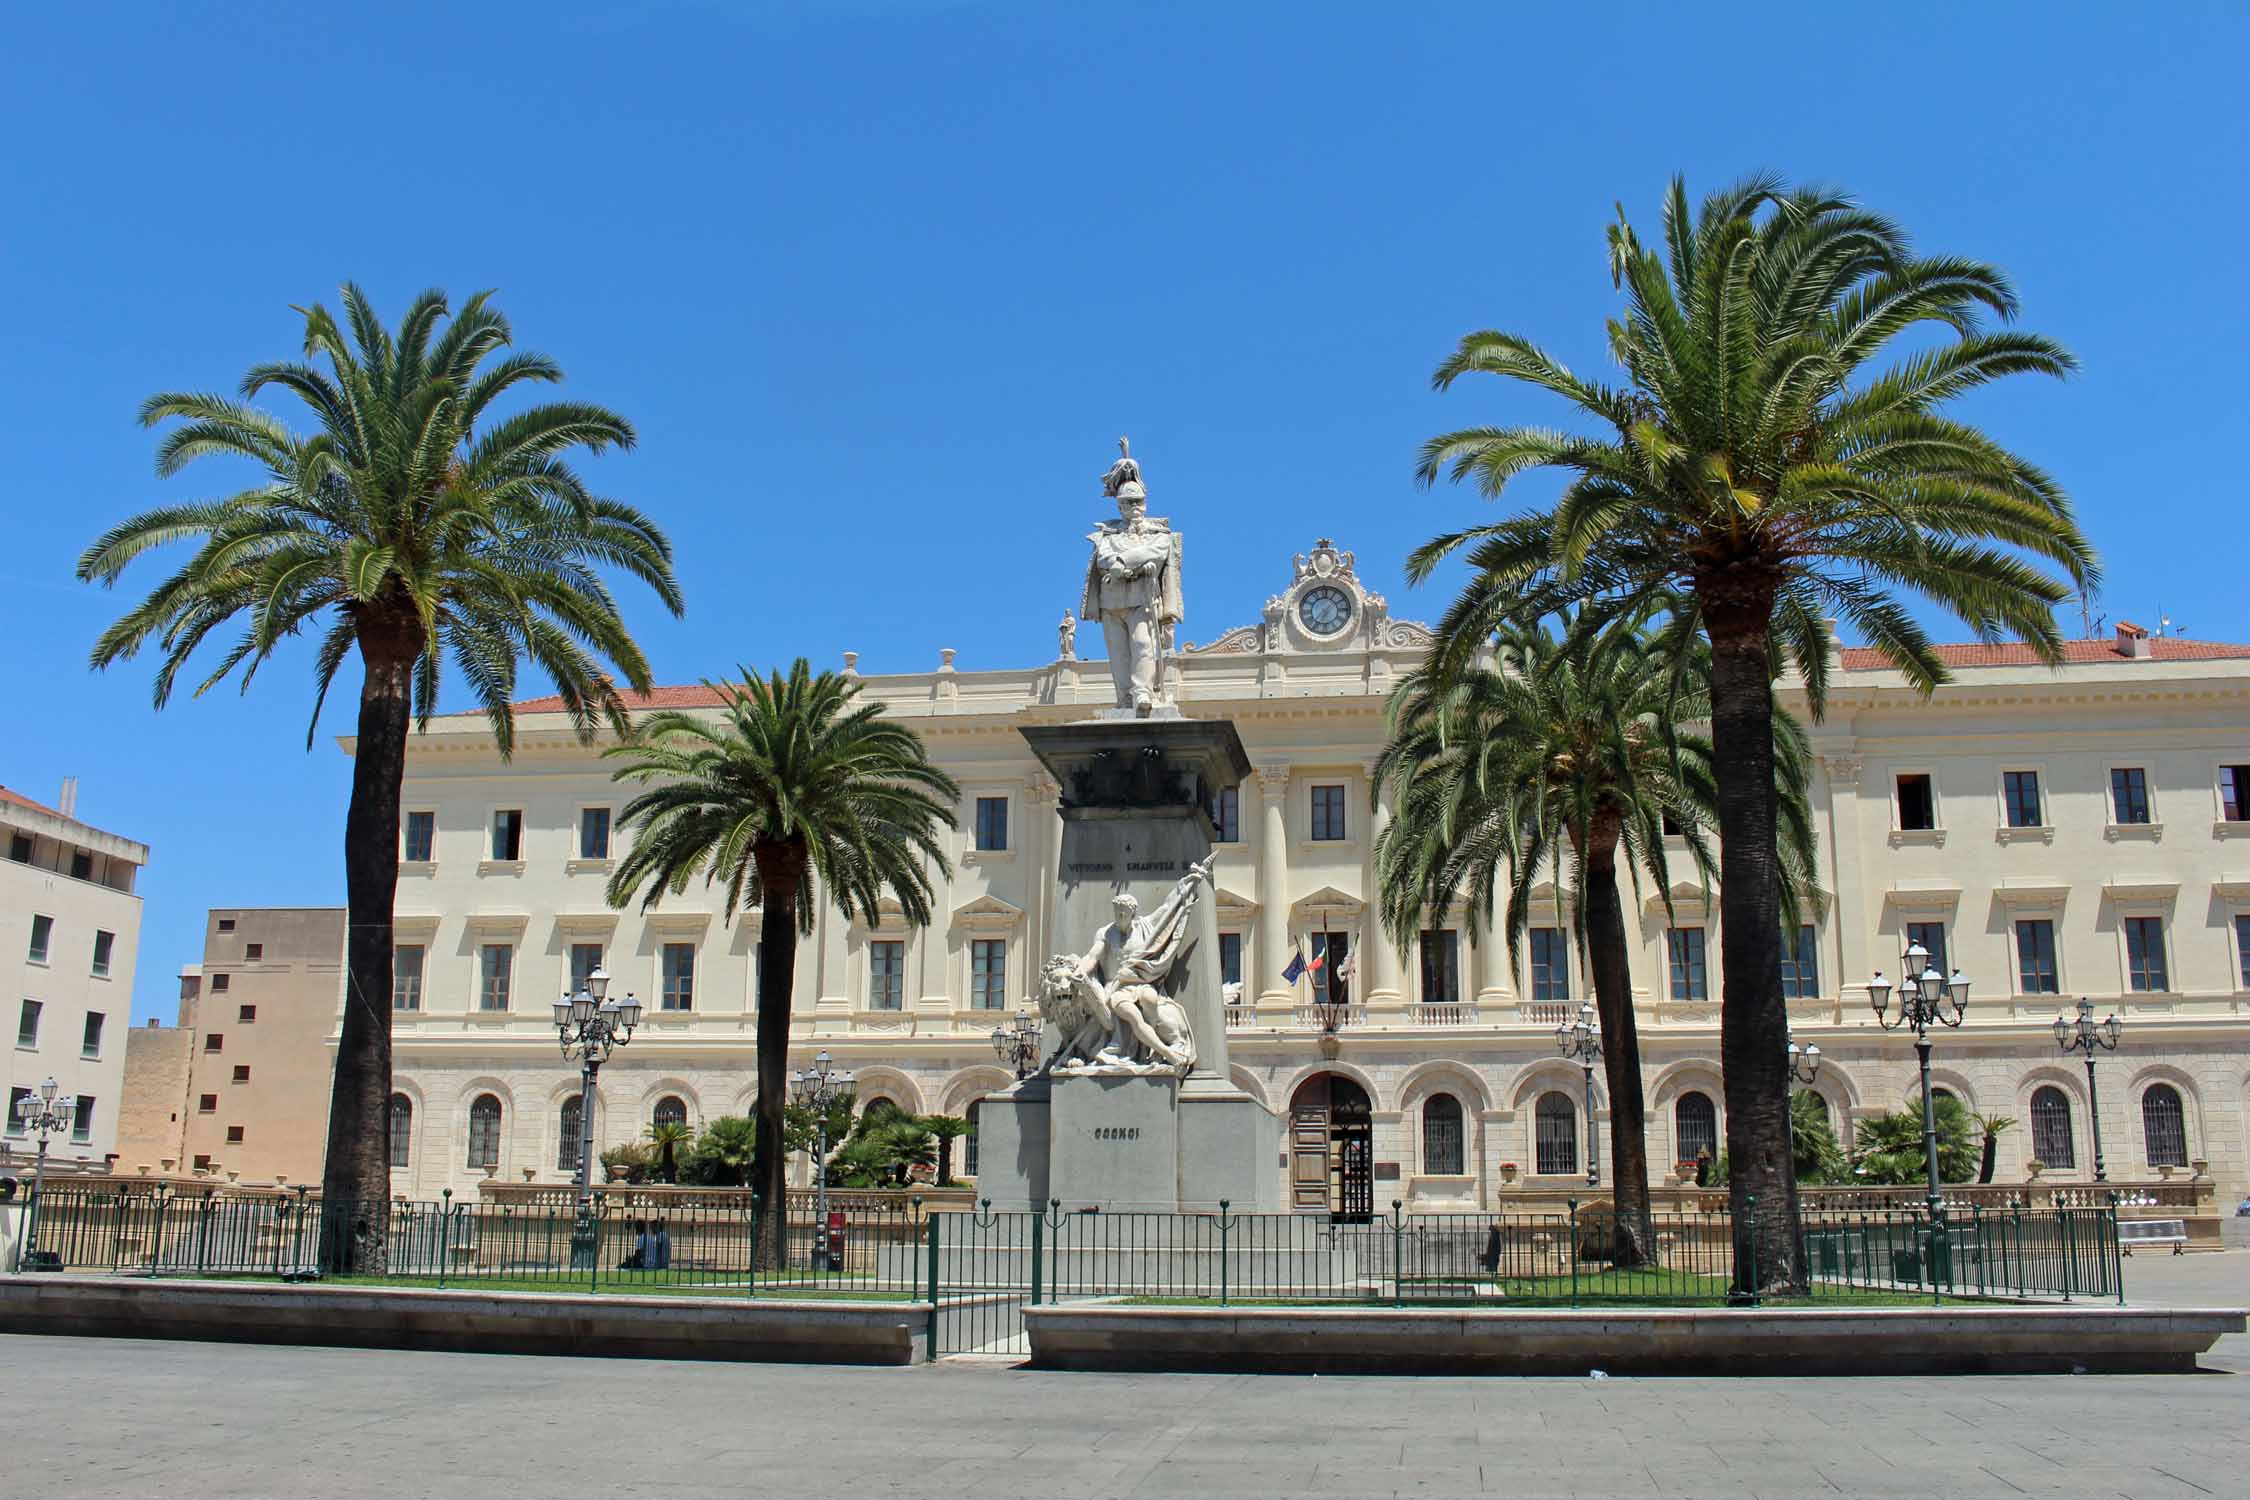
x: 795, y: 792
x: 406, y: 528
x: 1989, y: 1159
x: 1564, y: 758
x: 947, y: 1129
x: 1756, y: 462
x: 665, y: 1140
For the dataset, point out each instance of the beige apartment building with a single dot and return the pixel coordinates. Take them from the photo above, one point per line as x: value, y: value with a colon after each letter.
x: 70, y: 930
x: 239, y: 1088
x: 2053, y: 832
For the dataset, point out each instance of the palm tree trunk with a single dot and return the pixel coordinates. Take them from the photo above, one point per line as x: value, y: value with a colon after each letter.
x: 355, y: 1184
x: 1606, y: 952
x: 1754, y: 1021
x: 781, y: 871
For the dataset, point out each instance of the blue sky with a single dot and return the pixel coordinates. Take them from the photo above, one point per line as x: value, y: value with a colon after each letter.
x: 881, y: 283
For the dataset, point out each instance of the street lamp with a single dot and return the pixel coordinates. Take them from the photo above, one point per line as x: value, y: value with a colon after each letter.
x: 590, y: 1026
x: 44, y: 1112
x: 1924, y: 996
x: 1804, y: 1063
x: 1018, y: 1045
x: 2085, y: 1035
x: 1581, y: 1041
x: 818, y: 1088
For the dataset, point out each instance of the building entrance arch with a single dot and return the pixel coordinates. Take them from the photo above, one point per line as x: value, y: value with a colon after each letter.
x: 1332, y: 1149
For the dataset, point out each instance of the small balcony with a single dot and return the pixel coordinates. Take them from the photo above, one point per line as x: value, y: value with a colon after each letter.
x: 1330, y: 1017
x: 1443, y: 1013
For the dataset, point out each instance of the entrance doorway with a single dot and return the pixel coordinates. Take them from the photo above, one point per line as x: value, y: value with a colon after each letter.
x: 1332, y: 1149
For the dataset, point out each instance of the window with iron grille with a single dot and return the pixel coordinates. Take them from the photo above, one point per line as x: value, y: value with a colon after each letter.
x: 421, y: 837
x: 1230, y: 958
x: 969, y: 1141
x: 1555, y: 1135
x: 585, y: 958
x: 2164, y: 1126
x: 2052, y: 1139
x: 992, y: 823
x: 679, y: 976
x: 2144, y: 955
x: 570, y: 1129
x: 1931, y: 935
x: 1443, y: 1151
x: 406, y: 977
x: 1328, y: 812
x: 886, y: 976
x: 2234, y: 793
x: 2036, y: 971
x: 402, y: 1130
x: 1689, y: 981
x: 499, y: 969
x: 1800, y: 965
x: 484, y: 1132
x: 2020, y: 789
x: 1550, y: 964
x: 988, y: 974
x: 593, y: 833
x: 1695, y: 1126
x: 1226, y: 815
x: 2128, y: 798
x: 670, y: 1110
x: 1441, y: 967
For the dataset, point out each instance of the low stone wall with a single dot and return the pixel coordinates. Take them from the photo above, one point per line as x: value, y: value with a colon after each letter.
x: 778, y: 1330
x: 1779, y: 1341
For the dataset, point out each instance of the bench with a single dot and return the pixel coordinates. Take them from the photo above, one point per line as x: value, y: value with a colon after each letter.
x: 2132, y: 1232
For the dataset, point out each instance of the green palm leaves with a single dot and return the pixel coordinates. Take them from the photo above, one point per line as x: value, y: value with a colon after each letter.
x: 401, y: 523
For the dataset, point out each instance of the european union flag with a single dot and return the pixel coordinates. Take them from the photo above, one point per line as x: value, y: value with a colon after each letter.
x: 1296, y: 969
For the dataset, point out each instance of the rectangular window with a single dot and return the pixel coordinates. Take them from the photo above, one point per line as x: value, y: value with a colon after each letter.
x: 2035, y: 958
x: 1226, y: 815
x: 2128, y: 795
x: 202, y: 1162
x: 234, y: 1135
x: 219, y: 983
x: 421, y: 837
x: 253, y: 952
x: 585, y: 958
x: 1230, y: 958
x: 19, y: 848
x: 226, y: 924
x: 507, y: 834
x: 1800, y: 965
x: 593, y: 833
x: 2242, y: 947
x: 499, y: 969
x: 246, y: 1013
x: 1332, y: 981
x: 2144, y: 955
x: 215, y: 1041
x: 81, y: 865
x: 988, y: 974
x: 406, y: 977
x: 15, y: 1103
x: 2020, y: 790
x: 1327, y: 812
x: 27, y: 1024
x: 82, y: 1123
x: 241, y: 1072
x: 1917, y: 803
x: 1931, y: 935
x: 992, y: 823
x: 1689, y: 981
x: 1441, y: 967
x: 207, y: 1104
x: 1550, y: 963
x: 90, y: 1044
x: 2234, y: 793
x: 105, y: 943
x: 886, y: 976
x: 42, y: 937
x: 679, y: 976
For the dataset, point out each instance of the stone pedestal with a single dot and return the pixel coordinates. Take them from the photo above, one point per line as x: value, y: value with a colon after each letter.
x: 1133, y: 808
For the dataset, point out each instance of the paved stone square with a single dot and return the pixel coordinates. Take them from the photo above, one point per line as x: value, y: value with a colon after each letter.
x: 99, y: 1418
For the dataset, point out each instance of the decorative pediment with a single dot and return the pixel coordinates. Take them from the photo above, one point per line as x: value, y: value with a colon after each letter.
x: 1685, y: 894
x: 1327, y: 902
x: 988, y: 913
x: 1923, y: 895
x: 495, y: 921
x: 1326, y: 607
x: 415, y: 924
x: 586, y: 921
x: 2141, y: 888
x: 676, y: 921
x: 1232, y: 903
x: 888, y: 915
x: 2031, y: 890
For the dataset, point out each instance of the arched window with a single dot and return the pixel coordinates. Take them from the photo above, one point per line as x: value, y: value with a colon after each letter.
x: 570, y: 1131
x: 1695, y: 1126
x: 969, y: 1141
x: 875, y: 1108
x: 1820, y: 1102
x: 484, y: 1132
x: 1442, y: 1145
x: 2051, y: 1138
x: 1940, y: 1092
x: 671, y: 1110
x: 1555, y: 1135
x: 402, y: 1129
x: 2164, y: 1126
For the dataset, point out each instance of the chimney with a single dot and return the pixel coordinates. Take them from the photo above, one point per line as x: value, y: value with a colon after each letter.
x: 67, y: 804
x: 2133, y: 641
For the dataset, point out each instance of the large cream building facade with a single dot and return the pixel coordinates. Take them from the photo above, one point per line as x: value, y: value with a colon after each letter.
x: 2059, y: 832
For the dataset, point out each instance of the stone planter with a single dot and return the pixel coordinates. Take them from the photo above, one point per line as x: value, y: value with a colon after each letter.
x: 1508, y: 1173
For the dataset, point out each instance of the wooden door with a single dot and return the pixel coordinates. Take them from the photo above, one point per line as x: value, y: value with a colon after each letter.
x: 1308, y: 1149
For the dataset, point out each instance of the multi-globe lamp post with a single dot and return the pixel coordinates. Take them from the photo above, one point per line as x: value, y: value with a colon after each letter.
x: 819, y: 1089
x: 590, y: 1026
x: 2085, y: 1034
x: 44, y: 1112
x: 1925, y: 998
x: 1581, y: 1042
x: 1017, y: 1046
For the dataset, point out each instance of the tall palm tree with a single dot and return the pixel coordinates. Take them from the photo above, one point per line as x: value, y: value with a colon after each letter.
x: 405, y: 527
x: 1564, y: 759
x: 1758, y: 463
x: 796, y: 792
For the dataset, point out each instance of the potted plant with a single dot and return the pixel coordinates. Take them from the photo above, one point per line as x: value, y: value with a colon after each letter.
x: 1508, y: 1172
x: 2033, y: 1168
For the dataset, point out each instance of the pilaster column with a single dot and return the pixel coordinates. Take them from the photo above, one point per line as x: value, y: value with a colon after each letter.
x: 1273, y: 886
x: 1040, y: 844
x: 1490, y: 955
x: 1851, y: 937
x: 1381, y: 964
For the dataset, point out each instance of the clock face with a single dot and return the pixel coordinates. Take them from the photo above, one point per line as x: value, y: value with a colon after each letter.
x: 1325, y: 610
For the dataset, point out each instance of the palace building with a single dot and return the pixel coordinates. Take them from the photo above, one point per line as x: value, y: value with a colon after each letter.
x: 2053, y: 832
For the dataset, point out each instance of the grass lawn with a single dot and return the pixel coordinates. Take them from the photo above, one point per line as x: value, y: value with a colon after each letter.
x: 1593, y: 1289
x: 627, y: 1283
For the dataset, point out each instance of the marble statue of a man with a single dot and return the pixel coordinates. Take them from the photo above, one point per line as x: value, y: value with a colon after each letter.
x: 1133, y: 586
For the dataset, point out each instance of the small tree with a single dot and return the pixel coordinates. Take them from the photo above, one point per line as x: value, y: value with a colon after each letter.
x: 1889, y: 1148
x: 722, y: 1154
x: 1992, y: 1126
x: 1812, y: 1140
x: 665, y: 1140
x: 947, y: 1129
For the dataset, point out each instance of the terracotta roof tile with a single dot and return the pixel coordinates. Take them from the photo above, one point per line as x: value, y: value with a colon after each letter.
x: 20, y: 800
x: 2075, y: 653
